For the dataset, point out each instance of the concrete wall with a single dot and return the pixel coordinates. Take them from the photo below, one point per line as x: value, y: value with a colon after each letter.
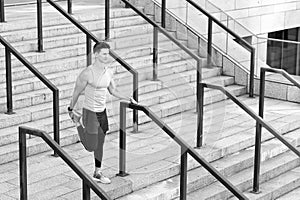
x: 263, y: 16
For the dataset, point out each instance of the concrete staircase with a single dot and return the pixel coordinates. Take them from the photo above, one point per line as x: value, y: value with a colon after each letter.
x: 153, y: 159
x: 228, y: 141
x: 64, y: 58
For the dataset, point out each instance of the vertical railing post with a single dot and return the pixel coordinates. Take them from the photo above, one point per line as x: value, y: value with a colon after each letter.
x: 183, y: 173
x: 9, y: 101
x: 200, y: 105
x: 2, y: 14
x: 155, y: 52
x: 70, y: 7
x: 209, y: 43
x: 56, y: 117
x: 86, y: 192
x: 135, y: 97
x: 88, y: 51
x: 257, y: 156
x: 23, y: 165
x: 252, y: 67
x: 107, y: 34
x: 199, y: 79
x: 40, y: 26
x: 163, y: 13
x: 122, y: 150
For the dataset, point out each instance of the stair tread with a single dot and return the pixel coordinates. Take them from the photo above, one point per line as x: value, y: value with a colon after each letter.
x: 64, y: 102
x: 197, y: 177
x: 188, y: 130
x: 75, y: 36
x: 273, y: 186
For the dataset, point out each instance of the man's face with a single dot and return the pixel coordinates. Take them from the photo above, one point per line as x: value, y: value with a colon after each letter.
x: 103, y: 55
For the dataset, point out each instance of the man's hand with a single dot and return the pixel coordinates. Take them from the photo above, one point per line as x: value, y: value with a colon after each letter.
x: 71, y: 114
x: 133, y: 101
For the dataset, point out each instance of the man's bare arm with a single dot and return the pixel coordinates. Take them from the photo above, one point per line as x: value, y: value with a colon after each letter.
x: 80, y: 85
x: 113, y: 91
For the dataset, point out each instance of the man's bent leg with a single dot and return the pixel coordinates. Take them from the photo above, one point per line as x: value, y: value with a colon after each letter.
x: 89, y: 134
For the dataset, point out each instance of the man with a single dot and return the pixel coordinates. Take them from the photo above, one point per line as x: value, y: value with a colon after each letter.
x: 95, y: 80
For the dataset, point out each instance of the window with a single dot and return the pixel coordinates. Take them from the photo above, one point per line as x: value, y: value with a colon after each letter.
x: 284, y: 55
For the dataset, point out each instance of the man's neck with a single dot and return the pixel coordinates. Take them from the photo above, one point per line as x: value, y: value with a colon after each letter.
x: 99, y: 66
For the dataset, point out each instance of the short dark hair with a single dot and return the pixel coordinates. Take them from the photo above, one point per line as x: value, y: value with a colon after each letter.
x: 100, y: 45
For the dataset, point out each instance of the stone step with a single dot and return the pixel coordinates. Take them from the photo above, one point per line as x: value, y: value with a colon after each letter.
x: 290, y: 195
x: 70, y: 63
x: 143, y: 174
x: 278, y: 186
x: 69, y: 76
x: 140, y: 166
x: 32, y: 84
x: 58, y: 57
x: 37, y: 112
x: 20, y: 72
x: 56, y: 19
x: 142, y: 34
x: 31, y: 98
x: 78, y: 38
x: 123, y: 29
x: 162, y: 108
x: 228, y: 166
x: 269, y: 170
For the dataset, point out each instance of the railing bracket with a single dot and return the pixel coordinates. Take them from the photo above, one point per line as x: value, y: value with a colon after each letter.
x: 121, y: 174
x: 9, y: 113
x: 255, y: 192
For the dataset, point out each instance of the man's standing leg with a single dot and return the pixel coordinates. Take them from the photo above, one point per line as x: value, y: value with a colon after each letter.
x: 98, y: 153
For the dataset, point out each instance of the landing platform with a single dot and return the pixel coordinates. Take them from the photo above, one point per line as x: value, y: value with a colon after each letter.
x: 151, y: 154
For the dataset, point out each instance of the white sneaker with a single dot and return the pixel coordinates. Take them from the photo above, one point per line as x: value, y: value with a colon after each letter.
x: 98, y: 176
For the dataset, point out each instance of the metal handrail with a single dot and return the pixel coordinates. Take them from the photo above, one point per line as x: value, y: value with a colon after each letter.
x: 90, y: 36
x: 282, y: 72
x: 87, y: 181
x: 263, y: 71
x: 185, y: 149
x: 10, y: 49
x: 161, y: 29
x: 155, y: 47
x: 260, y: 122
x: 239, y: 40
x: 2, y: 11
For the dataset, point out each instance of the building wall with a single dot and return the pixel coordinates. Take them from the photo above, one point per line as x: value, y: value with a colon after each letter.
x: 263, y: 16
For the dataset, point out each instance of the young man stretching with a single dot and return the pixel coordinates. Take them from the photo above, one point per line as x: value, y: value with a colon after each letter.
x: 95, y: 80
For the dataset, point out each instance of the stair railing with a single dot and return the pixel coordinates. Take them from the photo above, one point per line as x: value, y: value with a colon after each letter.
x: 9, y: 49
x: 87, y: 181
x: 263, y: 71
x: 39, y: 18
x: 238, y: 39
x: 2, y: 11
x: 155, y: 53
x: 260, y: 122
x: 90, y: 36
x: 185, y: 150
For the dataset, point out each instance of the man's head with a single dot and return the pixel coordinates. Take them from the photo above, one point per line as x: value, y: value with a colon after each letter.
x: 101, y: 51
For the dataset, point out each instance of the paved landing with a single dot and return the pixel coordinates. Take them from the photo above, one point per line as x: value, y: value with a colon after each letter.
x: 148, y: 151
